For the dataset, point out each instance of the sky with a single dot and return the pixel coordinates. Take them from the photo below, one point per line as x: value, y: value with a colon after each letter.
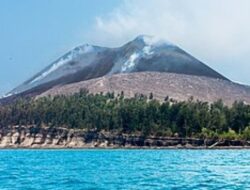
x: 35, y: 33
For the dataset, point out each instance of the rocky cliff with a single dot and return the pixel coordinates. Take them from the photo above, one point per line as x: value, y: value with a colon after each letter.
x: 36, y: 137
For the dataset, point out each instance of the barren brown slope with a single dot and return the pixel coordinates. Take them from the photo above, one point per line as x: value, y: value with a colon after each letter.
x: 177, y: 86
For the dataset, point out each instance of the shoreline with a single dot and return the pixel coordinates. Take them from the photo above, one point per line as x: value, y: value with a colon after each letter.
x: 128, y: 148
x: 31, y: 137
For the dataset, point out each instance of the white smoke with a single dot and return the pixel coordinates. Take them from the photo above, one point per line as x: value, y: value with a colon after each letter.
x: 216, y: 32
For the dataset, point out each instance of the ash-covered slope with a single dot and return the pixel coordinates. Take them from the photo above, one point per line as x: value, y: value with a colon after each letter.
x: 179, y: 87
x: 145, y: 53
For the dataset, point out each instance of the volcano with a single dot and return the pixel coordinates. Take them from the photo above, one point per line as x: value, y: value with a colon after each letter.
x: 143, y: 54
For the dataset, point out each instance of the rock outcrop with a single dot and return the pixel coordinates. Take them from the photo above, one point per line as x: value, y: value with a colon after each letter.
x: 36, y: 137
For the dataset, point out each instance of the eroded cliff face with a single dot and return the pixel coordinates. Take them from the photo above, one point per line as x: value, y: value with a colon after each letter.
x: 35, y: 137
x: 32, y: 137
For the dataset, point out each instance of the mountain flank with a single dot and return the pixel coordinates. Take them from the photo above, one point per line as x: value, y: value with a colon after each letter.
x: 175, y: 86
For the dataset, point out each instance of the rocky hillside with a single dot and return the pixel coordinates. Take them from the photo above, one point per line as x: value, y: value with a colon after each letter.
x: 177, y: 86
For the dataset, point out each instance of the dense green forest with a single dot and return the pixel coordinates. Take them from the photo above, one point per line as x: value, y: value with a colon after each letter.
x: 138, y: 115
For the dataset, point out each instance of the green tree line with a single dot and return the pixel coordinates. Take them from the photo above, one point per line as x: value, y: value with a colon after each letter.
x: 137, y: 115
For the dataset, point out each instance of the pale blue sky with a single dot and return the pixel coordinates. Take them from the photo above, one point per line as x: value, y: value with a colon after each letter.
x: 33, y: 33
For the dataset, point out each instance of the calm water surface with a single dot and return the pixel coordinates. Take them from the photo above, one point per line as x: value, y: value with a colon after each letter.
x: 124, y: 169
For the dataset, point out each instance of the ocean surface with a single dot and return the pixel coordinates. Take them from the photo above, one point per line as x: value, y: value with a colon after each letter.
x: 124, y: 169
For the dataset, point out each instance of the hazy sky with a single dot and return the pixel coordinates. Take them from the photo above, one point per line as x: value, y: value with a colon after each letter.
x: 33, y: 33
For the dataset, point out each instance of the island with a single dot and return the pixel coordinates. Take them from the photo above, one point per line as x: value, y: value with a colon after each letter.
x: 85, y: 120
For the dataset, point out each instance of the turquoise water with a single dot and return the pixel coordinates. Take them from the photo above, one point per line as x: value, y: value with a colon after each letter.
x: 124, y: 169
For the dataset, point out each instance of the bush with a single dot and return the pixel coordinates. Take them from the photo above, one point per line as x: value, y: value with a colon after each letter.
x: 208, y: 134
x: 230, y: 135
x: 164, y: 133
x: 246, y: 133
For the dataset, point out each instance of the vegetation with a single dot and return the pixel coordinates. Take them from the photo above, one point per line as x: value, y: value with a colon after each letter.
x: 140, y: 115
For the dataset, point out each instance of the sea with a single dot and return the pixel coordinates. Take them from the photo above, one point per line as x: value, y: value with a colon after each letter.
x: 124, y: 169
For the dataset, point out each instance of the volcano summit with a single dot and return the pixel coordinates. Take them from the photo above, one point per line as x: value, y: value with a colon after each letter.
x: 143, y: 54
